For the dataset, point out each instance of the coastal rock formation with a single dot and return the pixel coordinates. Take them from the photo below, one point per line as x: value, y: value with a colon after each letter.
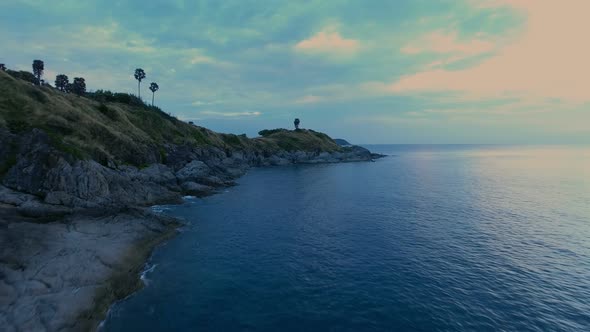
x: 58, y: 179
x: 76, y: 176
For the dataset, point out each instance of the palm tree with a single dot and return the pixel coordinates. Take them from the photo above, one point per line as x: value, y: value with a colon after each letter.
x: 139, y: 75
x: 154, y: 87
x: 38, y: 67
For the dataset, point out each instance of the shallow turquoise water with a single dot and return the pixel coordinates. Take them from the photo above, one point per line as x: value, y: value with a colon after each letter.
x: 433, y: 238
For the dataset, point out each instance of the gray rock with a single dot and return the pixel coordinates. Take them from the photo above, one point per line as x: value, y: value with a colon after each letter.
x: 197, y: 189
x: 36, y: 209
x: 11, y: 197
x: 193, y: 171
x: 160, y: 174
x: 51, y: 272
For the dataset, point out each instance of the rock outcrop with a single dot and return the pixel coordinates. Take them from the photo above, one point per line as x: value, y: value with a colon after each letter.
x: 58, y: 183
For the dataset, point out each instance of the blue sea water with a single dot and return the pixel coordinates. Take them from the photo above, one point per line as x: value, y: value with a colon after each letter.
x: 432, y: 238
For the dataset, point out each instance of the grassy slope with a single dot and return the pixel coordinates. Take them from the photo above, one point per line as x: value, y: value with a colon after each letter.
x: 88, y: 129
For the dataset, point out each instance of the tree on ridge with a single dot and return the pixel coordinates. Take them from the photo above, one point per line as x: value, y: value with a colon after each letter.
x: 61, y: 82
x: 139, y: 75
x: 296, y: 123
x: 38, y: 67
x: 154, y: 87
x: 79, y: 86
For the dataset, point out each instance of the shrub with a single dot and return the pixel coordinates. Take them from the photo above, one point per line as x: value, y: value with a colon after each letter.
x: 109, y: 112
x: 23, y: 75
x: 268, y: 132
x: 231, y: 139
x: 38, y: 95
x: 105, y: 96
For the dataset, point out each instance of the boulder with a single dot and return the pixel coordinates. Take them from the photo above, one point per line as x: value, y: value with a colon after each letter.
x: 197, y: 189
x: 193, y: 171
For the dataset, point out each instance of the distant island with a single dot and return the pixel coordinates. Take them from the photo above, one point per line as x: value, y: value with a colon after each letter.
x: 78, y: 171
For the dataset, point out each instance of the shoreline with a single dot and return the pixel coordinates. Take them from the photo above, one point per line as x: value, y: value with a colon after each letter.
x: 65, y: 274
x: 64, y: 270
x: 124, y: 282
x: 133, y: 277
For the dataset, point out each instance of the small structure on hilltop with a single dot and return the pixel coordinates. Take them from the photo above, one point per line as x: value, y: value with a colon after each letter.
x: 296, y: 123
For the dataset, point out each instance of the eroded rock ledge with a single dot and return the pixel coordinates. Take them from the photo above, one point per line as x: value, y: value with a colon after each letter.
x: 63, y: 275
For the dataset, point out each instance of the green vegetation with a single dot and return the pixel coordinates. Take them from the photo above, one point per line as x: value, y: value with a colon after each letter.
x: 79, y: 86
x: 109, y: 112
x: 268, y: 132
x: 23, y: 75
x: 104, y: 126
x: 299, y: 139
x: 38, y: 68
x: 61, y: 82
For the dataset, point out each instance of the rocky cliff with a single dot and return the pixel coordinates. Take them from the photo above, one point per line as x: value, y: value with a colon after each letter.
x: 73, y: 153
x: 59, y: 183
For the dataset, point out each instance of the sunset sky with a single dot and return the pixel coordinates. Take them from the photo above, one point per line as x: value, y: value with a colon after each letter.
x: 380, y: 71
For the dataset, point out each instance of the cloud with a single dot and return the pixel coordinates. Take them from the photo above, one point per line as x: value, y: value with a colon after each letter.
x: 328, y: 41
x: 230, y: 114
x: 194, y: 56
x: 203, y: 103
x: 549, y: 60
x: 441, y: 42
x: 200, y: 59
x: 309, y: 99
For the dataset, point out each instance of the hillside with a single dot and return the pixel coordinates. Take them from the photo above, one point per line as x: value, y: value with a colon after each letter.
x: 126, y: 133
x: 110, y: 149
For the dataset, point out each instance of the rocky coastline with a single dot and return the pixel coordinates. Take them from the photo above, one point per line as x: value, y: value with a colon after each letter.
x: 75, y: 233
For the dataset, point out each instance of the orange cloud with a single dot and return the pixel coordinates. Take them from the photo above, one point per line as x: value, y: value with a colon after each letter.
x: 549, y: 60
x: 328, y: 41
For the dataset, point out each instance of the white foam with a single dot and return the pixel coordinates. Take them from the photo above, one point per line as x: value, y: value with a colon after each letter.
x: 160, y: 208
x: 143, y: 275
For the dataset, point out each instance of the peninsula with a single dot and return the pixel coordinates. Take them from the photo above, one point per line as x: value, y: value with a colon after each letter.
x: 78, y: 172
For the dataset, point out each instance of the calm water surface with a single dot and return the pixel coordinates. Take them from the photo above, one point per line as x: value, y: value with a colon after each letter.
x: 459, y: 238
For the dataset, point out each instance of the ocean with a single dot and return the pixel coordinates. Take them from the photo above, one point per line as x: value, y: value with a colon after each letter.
x: 430, y: 238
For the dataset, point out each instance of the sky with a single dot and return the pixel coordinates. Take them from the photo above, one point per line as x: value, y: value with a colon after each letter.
x: 379, y: 71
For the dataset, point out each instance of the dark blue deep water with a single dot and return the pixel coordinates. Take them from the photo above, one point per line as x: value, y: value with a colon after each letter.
x: 434, y: 238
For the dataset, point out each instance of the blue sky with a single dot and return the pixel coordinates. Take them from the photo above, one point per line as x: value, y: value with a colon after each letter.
x: 380, y: 71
